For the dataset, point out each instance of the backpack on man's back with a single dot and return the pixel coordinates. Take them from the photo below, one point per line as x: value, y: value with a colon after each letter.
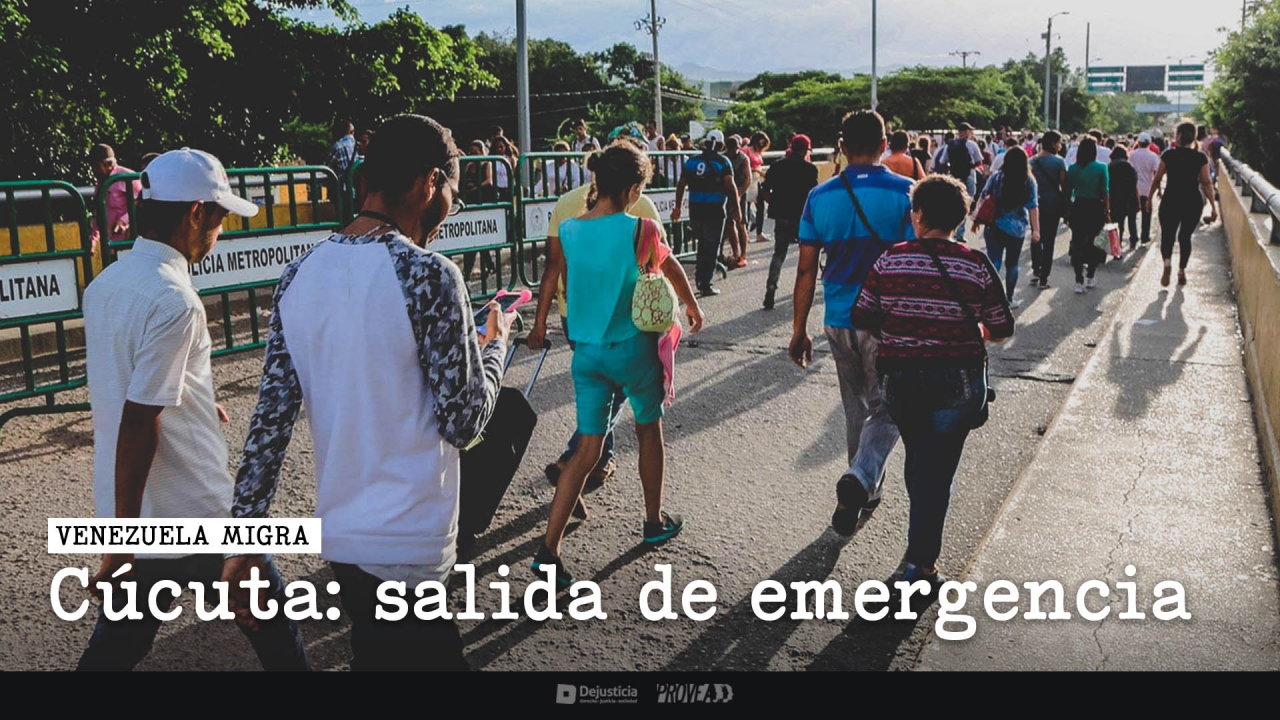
x: 959, y: 161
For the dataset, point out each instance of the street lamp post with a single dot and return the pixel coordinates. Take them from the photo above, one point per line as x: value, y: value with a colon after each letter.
x: 1178, y: 102
x: 1057, y: 123
x: 1048, y: 65
x: 873, y: 56
x: 522, y: 80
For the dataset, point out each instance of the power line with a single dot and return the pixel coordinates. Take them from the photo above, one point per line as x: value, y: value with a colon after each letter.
x: 576, y: 93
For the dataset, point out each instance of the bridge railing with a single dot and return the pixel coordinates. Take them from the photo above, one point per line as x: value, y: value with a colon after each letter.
x: 1265, y: 197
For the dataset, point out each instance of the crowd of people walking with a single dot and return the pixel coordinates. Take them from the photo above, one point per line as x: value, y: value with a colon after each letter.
x: 374, y: 335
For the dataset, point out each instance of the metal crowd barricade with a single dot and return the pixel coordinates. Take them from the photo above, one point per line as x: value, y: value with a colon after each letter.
x: 551, y: 176
x: 43, y: 267
x: 483, y: 235
x: 301, y: 206
x: 668, y: 168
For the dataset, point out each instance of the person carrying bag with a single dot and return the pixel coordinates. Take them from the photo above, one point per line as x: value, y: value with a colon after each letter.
x: 934, y: 303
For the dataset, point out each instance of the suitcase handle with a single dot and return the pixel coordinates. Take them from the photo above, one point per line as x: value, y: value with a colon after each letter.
x: 537, y: 368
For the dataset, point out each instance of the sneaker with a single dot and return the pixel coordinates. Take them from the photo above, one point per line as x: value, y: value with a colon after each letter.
x: 1079, y: 289
x: 1090, y: 283
x: 602, y: 472
x: 553, y: 471
x: 761, y: 238
x: 656, y: 532
x: 1164, y: 277
x: 708, y: 291
x: 851, y: 499
x: 1182, y: 277
x: 919, y: 601
x: 741, y: 263
x: 768, y: 300
x: 1044, y: 284
x: 1014, y: 304
x: 546, y: 558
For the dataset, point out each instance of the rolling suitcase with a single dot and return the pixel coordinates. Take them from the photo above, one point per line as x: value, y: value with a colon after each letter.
x: 489, y: 466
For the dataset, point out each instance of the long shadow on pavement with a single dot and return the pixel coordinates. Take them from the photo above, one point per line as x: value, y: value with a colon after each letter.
x: 1135, y: 398
x: 741, y: 641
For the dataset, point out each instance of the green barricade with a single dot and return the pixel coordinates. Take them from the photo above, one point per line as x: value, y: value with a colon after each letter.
x: 43, y: 268
x: 554, y: 174
x: 483, y: 234
x: 301, y: 206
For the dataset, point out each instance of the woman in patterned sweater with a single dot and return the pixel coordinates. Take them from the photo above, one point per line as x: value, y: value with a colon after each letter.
x: 933, y: 329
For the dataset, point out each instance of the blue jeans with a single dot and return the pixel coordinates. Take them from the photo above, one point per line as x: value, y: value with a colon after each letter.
x: 971, y: 186
x: 934, y: 410
x: 122, y: 644
x: 869, y: 431
x: 1004, y: 249
x: 619, y: 399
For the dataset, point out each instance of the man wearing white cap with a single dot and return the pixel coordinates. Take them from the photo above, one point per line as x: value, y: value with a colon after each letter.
x: 1145, y: 160
x: 159, y: 451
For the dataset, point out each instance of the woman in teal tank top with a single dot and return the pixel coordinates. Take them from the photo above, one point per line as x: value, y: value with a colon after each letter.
x: 601, y: 261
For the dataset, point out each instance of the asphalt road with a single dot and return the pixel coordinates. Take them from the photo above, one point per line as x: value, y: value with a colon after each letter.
x: 754, y: 447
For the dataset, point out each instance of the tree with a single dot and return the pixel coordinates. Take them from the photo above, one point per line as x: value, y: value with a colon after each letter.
x: 234, y: 77
x: 767, y: 83
x: 627, y: 67
x: 1244, y: 100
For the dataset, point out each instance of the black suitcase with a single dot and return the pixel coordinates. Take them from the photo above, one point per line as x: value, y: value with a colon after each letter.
x: 489, y: 466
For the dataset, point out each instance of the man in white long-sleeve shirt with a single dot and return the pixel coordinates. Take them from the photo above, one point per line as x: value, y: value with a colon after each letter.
x: 375, y: 336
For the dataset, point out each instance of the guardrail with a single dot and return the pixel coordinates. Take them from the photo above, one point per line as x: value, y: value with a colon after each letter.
x: 40, y: 279
x: 1265, y: 197
x: 1248, y: 201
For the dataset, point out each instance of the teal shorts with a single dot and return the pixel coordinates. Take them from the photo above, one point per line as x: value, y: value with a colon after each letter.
x: 631, y: 365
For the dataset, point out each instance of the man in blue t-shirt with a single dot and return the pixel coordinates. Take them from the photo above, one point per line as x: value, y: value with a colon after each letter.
x: 832, y: 224
x: 709, y: 179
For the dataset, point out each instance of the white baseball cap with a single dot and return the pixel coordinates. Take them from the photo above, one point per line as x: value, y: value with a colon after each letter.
x: 1144, y: 138
x: 713, y: 137
x: 188, y: 175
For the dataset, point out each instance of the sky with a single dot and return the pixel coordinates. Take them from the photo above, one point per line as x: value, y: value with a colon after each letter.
x: 746, y: 37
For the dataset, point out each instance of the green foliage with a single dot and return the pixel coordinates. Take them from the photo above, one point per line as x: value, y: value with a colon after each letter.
x: 234, y: 77
x: 767, y: 83
x: 1244, y: 100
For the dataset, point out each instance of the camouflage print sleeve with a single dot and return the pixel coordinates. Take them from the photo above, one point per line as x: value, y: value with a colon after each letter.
x: 271, y: 427
x: 464, y: 379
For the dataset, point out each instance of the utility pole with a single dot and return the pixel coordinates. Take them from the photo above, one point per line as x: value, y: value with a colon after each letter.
x: 652, y: 25
x: 522, y: 81
x: 964, y: 56
x: 1057, y: 123
x: 874, y: 102
x: 1048, y: 64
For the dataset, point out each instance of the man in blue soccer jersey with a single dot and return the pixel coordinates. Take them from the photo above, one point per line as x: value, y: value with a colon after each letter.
x: 709, y: 180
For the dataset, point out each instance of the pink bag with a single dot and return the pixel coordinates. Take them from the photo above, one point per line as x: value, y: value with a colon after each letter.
x: 1113, y: 239
x: 667, y: 345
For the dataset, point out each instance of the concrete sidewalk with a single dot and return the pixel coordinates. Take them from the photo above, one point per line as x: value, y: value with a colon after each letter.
x: 1153, y: 462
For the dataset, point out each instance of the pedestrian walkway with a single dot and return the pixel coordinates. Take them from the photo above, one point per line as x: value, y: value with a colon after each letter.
x: 1153, y: 463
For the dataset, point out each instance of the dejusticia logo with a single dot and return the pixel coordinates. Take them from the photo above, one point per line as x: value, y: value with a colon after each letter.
x: 597, y: 695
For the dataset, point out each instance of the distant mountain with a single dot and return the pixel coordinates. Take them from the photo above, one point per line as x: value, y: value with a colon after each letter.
x: 694, y: 71
x: 703, y: 73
